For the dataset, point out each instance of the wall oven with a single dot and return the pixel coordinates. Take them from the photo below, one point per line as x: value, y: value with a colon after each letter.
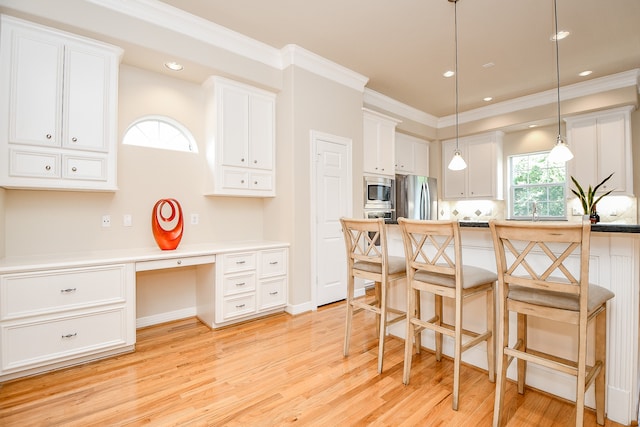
x: 379, y: 193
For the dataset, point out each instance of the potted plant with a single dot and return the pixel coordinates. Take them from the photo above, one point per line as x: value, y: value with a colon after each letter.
x: 588, y: 199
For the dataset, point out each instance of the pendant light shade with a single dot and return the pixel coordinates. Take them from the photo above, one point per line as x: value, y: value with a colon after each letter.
x: 457, y: 162
x: 560, y: 152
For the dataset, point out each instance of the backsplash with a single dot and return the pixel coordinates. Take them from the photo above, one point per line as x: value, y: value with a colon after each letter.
x: 612, y: 209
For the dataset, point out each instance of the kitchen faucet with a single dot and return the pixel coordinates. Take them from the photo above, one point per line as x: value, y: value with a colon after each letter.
x: 534, y: 211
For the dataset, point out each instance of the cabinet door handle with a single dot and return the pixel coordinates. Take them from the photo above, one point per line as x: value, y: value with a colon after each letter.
x: 179, y: 262
x: 74, y: 139
x: 242, y: 181
x: 240, y: 262
x: 273, y: 293
x: 68, y: 336
x: 47, y: 167
x: 242, y: 160
x: 241, y: 284
x: 255, y: 161
x: 255, y: 182
x: 273, y: 262
x: 67, y: 291
x: 240, y: 305
x: 48, y: 136
x: 74, y: 169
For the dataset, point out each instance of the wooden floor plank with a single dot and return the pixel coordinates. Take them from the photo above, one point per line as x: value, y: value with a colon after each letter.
x: 277, y: 371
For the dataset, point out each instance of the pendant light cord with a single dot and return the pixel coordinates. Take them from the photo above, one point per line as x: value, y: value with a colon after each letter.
x: 555, y: 13
x: 455, y: 24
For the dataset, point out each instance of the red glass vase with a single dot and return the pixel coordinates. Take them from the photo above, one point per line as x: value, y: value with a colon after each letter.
x: 167, y: 223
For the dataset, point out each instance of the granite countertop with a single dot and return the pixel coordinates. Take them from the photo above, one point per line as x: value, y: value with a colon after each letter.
x: 601, y: 227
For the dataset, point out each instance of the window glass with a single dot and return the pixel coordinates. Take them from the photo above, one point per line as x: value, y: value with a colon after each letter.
x: 536, y: 184
x: 160, y: 132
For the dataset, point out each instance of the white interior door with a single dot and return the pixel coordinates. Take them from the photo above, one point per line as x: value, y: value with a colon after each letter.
x: 333, y: 199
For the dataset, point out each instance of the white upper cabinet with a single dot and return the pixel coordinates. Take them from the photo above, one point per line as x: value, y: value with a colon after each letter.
x: 412, y: 155
x: 482, y: 178
x: 59, y: 120
x: 379, y: 132
x: 601, y: 144
x: 240, y: 139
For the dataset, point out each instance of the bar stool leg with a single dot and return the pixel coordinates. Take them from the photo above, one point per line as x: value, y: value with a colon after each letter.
x: 501, y: 380
x: 349, y: 318
x: 601, y: 356
x: 438, y: 312
x: 522, y: 364
x: 491, y: 341
x: 382, y: 324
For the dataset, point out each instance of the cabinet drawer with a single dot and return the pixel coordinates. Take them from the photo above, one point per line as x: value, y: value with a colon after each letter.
x: 34, y: 164
x: 261, y: 181
x: 175, y: 262
x: 239, y: 283
x: 46, y: 341
x: 239, y: 306
x: 80, y: 167
x: 273, y: 293
x: 239, y: 262
x: 235, y: 179
x: 24, y: 294
x: 273, y: 262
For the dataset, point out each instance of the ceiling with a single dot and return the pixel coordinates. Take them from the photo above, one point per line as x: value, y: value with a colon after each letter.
x: 404, y: 46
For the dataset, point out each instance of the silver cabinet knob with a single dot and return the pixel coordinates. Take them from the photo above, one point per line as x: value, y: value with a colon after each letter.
x: 48, y: 136
x: 48, y: 167
x: 74, y: 139
x: 74, y: 169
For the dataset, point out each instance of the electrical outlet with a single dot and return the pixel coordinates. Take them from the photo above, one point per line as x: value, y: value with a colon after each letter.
x: 195, y: 219
x: 126, y: 220
x: 106, y: 220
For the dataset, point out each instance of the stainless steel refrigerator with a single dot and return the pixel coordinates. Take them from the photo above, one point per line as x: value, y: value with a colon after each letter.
x: 416, y: 197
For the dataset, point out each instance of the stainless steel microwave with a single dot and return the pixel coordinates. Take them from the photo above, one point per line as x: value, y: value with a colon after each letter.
x: 379, y: 192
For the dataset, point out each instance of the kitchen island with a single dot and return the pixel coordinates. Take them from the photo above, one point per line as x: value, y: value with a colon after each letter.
x: 614, y: 264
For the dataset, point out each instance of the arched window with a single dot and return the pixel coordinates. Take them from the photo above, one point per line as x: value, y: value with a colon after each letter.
x: 160, y: 132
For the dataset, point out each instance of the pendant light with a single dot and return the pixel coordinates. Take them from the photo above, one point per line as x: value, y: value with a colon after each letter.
x: 457, y: 162
x: 560, y: 152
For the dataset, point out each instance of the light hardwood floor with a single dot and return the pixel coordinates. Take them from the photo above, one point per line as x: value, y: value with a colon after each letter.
x: 281, y: 370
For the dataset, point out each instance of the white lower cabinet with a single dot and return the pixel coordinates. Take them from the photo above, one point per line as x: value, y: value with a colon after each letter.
x: 60, y: 317
x: 248, y: 284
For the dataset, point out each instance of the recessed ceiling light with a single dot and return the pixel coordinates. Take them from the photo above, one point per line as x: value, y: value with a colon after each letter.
x: 487, y: 99
x: 449, y: 73
x: 560, y: 35
x: 488, y: 65
x: 174, y: 66
x: 533, y: 126
x: 585, y: 73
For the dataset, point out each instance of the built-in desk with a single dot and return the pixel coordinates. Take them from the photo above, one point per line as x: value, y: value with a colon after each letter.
x: 614, y: 264
x: 63, y: 309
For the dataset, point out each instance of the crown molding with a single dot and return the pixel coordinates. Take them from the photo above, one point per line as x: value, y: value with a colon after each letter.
x: 179, y: 21
x: 379, y: 100
x: 591, y: 87
x: 295, y: 55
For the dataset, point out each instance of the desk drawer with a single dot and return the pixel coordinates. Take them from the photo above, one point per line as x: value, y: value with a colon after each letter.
x: 239, y: 283
x: 175, y: 262
x: 273, y: 262
x: 26, y: 344
x: 239, y: 262
x: 239, y: 306
x: 25, y: 294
